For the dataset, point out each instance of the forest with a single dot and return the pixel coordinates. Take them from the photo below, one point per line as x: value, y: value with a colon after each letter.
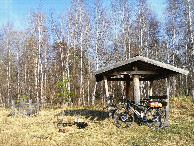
x: 56, y: 56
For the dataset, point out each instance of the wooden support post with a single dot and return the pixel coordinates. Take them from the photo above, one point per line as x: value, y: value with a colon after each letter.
x: 167, y: 100
x: 151, y: 88
x: 127, y: 88
x: 106, y: 88
x: 136, y: 87
x: 38, y: 106
x: 30, y: 103
x: 107, y: 96
x: 13, y: 106
x: 30, y: 107
x: 21, y: 108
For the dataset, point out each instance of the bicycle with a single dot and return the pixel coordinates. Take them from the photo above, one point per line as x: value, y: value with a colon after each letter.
x: 153, y: 116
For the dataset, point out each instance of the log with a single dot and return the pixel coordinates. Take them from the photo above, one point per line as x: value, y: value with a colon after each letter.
x: 127, y: 88
x: 136, y: 87
x: 167, y: 93
x: 151, y: 88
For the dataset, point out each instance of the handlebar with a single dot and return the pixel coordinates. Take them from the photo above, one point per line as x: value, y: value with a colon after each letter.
x: 128, y: 101
x: 147, y: 99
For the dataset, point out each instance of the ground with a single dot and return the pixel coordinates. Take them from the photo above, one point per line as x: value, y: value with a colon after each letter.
x: 42, y: 129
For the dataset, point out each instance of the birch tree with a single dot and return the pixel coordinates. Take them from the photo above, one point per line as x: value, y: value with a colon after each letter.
x: 181, y: 14
x: 39, y: 32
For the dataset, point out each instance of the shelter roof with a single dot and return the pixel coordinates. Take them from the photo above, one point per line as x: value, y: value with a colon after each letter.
x: 148, y: 69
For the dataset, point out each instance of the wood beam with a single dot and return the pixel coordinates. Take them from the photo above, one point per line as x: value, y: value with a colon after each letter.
x: 124, y: 73
x: 158, y: 97
x: 123, y: 79
x: 115, y: 73
x: 117, y: 79
x: 138, y: 72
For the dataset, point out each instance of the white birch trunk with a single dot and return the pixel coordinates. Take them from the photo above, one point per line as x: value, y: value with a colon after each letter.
x: 18, y: 78
x: 41, y: 84
x: 35, y: 75
x: 81, y: 60
x: 67, y: 56
x: 40, y: 43
x: 190, y: 21
x: 97, y: 35
x: 61, y: 50
x: 89, y: 83
x: 93, y: 94
x: 45, y: 74
x: 8, y: 70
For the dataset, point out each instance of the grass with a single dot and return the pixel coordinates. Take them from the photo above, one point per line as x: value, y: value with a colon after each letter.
x: 42, y: 129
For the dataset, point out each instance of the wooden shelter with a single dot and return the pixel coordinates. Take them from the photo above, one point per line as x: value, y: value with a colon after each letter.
x: 138, y: 69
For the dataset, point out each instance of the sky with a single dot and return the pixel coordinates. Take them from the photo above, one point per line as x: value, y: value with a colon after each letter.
x: 158, y: 6
x: 16, y: 11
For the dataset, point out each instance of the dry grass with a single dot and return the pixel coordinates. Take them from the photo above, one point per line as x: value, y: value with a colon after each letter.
x: 42, y: 128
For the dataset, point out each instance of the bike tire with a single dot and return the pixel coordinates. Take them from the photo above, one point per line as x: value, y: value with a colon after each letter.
x: 123, y: 118
x: 156, y: 118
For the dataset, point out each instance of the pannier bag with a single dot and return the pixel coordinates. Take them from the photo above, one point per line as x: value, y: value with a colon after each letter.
x: 155, y: 104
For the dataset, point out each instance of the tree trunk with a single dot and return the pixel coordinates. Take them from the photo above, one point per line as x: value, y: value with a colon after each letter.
x: 94, y: 93
x: 8, y: 71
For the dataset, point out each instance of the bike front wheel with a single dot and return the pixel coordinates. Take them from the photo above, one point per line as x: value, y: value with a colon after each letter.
x: 123, y: 118
x: 156, y: 118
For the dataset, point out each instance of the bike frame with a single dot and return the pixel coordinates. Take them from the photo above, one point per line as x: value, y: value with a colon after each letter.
x: 137, y: 112
x: 153, y: 116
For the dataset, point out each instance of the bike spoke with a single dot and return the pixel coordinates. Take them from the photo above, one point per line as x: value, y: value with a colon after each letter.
x: 156, y: 118
x: 123, y: 118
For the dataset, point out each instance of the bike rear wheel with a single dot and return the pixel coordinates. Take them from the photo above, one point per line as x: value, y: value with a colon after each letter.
x: 123, y: 118
x: 156, y: 118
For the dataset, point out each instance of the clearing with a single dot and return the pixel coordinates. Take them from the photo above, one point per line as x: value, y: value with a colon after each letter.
x: 42, y: 129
